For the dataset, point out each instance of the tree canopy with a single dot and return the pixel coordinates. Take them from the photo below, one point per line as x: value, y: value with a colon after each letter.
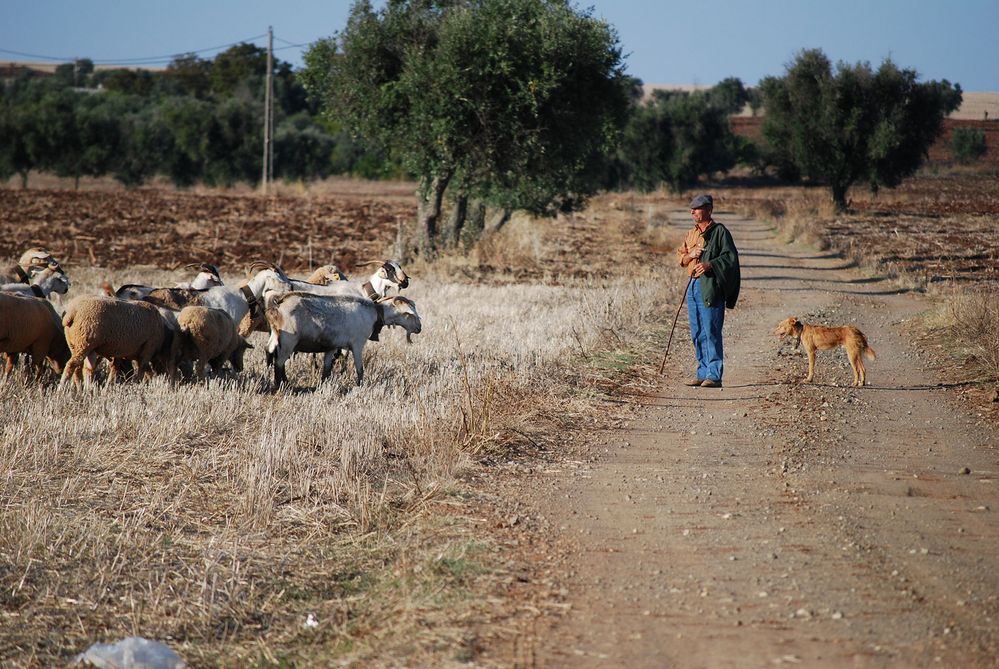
x: 197, y: 121
x: 674, y: 137
x: 513, y: 101
x: 853, y: 124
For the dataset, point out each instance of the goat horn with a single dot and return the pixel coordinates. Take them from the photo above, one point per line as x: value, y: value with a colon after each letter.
x: 261, y: 264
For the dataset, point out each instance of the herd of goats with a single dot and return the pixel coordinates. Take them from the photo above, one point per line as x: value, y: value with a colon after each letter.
x: 188, y: 328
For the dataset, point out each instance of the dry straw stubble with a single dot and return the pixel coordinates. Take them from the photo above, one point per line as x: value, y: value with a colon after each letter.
x: 218, y: 516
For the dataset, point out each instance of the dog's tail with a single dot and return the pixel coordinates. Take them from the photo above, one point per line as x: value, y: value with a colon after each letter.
x: 865, y: 349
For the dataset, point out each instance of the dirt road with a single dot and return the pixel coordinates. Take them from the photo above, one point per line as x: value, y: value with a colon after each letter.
x: 773, y: 523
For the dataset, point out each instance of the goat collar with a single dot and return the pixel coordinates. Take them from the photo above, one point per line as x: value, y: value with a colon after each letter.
x: 37, y: 291
x: 369, y: 290
x: 251, y: 300
x: 379, y: 324
x: 21, y: 274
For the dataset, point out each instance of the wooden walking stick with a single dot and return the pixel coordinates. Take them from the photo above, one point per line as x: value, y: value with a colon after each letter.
x: 675, y: 319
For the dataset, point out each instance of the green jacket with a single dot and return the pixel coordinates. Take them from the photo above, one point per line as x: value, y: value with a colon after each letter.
x: 722, y: 282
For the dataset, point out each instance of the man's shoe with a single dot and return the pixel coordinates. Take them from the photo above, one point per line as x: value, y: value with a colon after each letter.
x: 693, y: 382
x: 710, y: 383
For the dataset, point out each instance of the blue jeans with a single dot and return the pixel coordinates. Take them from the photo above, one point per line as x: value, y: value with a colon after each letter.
x: 706, y: 333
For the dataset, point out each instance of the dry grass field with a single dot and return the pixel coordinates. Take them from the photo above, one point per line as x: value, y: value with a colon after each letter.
x: 219, y: 517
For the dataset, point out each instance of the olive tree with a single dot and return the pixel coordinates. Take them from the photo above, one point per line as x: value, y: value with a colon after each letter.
x: 967, y: 145
x: 853, y: 124
x: 673, y: 138
x: 509, y: 100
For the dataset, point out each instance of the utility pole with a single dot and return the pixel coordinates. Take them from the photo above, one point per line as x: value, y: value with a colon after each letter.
x: 268, y: 174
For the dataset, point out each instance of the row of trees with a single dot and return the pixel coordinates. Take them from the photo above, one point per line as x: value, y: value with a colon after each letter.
x: 197, y: 121
x: 500, y: 103
x: 525, y: 103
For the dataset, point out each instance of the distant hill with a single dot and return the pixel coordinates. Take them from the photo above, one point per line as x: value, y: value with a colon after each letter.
x: 9, y: 68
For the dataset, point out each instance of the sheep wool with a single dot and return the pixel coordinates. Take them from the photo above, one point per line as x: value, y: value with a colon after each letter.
x: 111, y: 328
x: 31, y: 325
x: 209, y: 335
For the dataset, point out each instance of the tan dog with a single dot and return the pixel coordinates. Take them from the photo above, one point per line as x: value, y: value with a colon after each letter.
x: 819, y: 338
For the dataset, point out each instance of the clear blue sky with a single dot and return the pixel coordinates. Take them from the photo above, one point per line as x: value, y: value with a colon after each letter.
x: 690, y: 42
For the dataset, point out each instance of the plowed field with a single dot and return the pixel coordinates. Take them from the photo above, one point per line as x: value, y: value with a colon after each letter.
x: 936, y: 227
x: 168, y: 229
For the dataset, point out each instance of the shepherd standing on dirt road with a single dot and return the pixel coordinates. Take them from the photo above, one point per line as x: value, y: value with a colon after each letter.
x: 712, y: 261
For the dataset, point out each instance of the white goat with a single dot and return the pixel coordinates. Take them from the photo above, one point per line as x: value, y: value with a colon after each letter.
x: 237, y: 302
x: 329, y: 323
x: 389, y: 275
x: 30, y: 260
x: 207, y: 277
x: 42, y: 283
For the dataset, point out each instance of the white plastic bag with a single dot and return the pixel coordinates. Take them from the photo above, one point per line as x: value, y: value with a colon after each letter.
x: 131, y: 653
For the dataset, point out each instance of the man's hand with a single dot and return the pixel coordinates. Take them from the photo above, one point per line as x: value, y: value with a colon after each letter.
x: 701, y: 267
x: 694, y: 254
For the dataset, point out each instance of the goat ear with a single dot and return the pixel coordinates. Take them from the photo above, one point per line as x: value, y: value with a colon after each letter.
x: 107, y: 288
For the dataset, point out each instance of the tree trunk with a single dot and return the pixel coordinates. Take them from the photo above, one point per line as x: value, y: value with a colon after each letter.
x: 456, y: 222
x: 500, y: 218
x: 429, y: 212
x: 475, y: 223
x: 24, y: 180
x: 839, y: 196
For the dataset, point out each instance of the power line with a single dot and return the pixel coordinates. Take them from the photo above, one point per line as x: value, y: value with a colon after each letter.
x: 144, y: 60
x: 289, y: 43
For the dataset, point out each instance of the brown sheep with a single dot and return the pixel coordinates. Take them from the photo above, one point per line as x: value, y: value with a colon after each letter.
x: 209, y: 336
x: 113, y: 329
x: 31, y: 325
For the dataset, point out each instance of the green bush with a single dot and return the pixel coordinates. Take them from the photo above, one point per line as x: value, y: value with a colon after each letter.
x: 967, y: 145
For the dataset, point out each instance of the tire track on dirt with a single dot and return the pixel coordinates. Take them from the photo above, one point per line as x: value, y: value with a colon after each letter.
x: 771, y: 523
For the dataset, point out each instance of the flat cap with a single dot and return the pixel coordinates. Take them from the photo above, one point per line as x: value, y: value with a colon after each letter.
x: 702, y: 201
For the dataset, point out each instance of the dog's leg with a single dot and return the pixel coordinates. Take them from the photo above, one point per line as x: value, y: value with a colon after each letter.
x: 863, y: 370
x: 811, y: 364
x: 854, y: 364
